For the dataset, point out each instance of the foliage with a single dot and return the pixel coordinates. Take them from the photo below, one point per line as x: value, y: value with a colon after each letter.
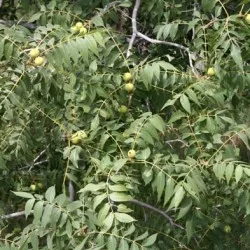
x: 64, y: 128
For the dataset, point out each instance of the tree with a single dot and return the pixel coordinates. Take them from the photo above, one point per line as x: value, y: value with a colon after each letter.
x: 124, y: 124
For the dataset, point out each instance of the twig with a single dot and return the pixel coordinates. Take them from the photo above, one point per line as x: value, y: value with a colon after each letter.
x: 37, y: 158
x: 136, y: 33
x: 30, y: 26
x: 148, y: 104
x: 71, y: 191
x: 134, y: 27
x: 162, y: 42
x: 35, y: 164
x: 176, y: 140
x: 146, y: 205
x: 1, y: 2
x: 110, y: 5
x: 14, y: 215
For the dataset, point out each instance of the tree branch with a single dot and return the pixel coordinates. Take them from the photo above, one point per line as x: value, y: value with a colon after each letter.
x: 134, y: 27
x: 146, y: 205
x: 136, y: 33
x: 14, y: 215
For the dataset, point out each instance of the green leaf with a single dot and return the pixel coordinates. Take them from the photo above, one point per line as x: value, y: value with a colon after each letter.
x: 2, y: 48
x: 50, y: 194
x: 103, y: 212
x: 123, y: 245
x: 108, y: 222
x: 55, y: 216
x: 24, y: 195
x: 147, y: 76
x: 81, y: 245
x: 185, y: 103
x: 150, y: 240
x: 169, y: 190
x: 119, y: 164
x: 238, y: 173
x: 38, y: 210
x: 219, y: 170
x: 46, y: 217
x: 119, y: 197
x: 134, y: 246
x: 97, y: 21
x: 176, y: 116
x: 189, y: 229
x: 95, y: 123
x: 192, y: 96
x: 98, y: 199
x: 124, y: 218
x: 28, y: 207
x: 229, y: 172
x: 143, y: 154
x: 118, y: 188
x: 72, y: 206
x: 167, y: 66
x: 179, y: 195
x: 142, y: 236
x: 158, y: 123
x: 75, y: 155
x: 247, y: 171
x: 185, y: 208
x: 160, y: 184
x: 112, y: 243
x: 35, y: 17
x: 208, y: 5
x: 236, y: 55
x: 93, y: 187
x: 129, y: 231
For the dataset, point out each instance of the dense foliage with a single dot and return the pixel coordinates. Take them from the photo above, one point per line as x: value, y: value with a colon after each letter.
x: 105, y: 148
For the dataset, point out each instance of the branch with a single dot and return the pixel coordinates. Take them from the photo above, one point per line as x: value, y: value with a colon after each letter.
x: 9, y: 23
x: 134, y: 27
x: 135, y: 33
x: 143, y: 204
x: 162, y: 42
x: 14, y: 215
x: 35, y: 164
x: 1, y: 2
x: 71, y: 191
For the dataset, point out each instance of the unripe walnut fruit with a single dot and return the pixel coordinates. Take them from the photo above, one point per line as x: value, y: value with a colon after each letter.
x: 74, y: 29
x: 129, y: 87
x: 211, y: 72
x: 79, y: 25
x: 127, y: 77
x: 131, y: 153
x: 123, y: 109
x: 78, y: 137
x: 33, y: 187
x: 39, y: 61
x: 247, y: 18
x: 34, y: 53
x: 83, y: 31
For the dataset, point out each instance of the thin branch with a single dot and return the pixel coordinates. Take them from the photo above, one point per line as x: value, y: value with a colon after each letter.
x: 146, y: 205
x: 40, y: 154
x: 162, y: 42
x: 9, y: 23
x: 37, y: 158
x: 14, y: 215
x: 35, y: 164
x: 1, y: 2
x: 136, y: 33
x: 176, y: 140
x: 134, y: 27
x: 71, y: 191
